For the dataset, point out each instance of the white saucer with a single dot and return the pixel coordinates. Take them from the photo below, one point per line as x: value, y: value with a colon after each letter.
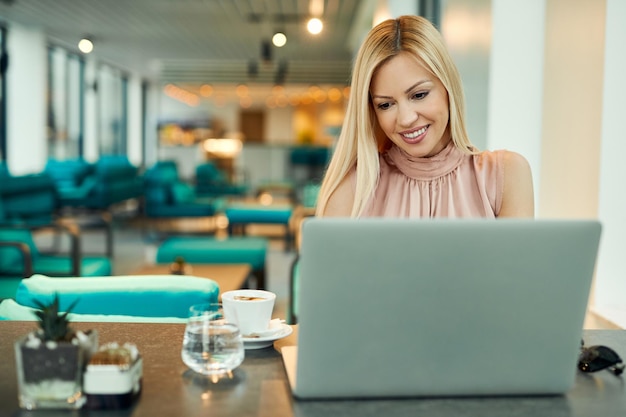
x: 283, y: 330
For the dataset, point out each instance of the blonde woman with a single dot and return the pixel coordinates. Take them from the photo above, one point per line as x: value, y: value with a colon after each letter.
x: 404, y: 149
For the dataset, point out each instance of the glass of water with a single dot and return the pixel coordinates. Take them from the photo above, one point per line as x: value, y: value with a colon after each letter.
x: 211, y: 345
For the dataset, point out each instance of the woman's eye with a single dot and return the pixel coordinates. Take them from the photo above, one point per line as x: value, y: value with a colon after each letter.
x: 420, y: 95
x: 383, y: 106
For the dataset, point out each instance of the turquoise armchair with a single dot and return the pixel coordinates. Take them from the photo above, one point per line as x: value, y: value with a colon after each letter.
x: 110, y: 180
x: 166, y: 195
x: 28, y: 200
x: 13, y: 255
x: 9, y: 284
x: 73, y: 179
x: 27, y: 206
x: 212, y: 182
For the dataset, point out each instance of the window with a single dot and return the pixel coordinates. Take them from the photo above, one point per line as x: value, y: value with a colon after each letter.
x: 65, y: 104
x: 3, y: 107
x: 112, y: 111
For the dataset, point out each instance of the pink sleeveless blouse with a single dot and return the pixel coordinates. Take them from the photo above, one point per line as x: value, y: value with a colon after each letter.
x: 449, y: 184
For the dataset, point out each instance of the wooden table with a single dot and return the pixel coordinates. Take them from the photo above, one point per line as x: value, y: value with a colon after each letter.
x: 259, y: 387
x: 228, y: 276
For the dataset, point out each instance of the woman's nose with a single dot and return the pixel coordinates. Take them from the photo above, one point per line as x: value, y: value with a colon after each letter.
x: 407, y: 115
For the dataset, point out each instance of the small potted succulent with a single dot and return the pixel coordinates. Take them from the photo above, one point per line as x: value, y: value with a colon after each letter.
x: 51, y: 361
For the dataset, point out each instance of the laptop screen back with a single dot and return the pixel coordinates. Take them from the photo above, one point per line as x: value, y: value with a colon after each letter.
x: 392, y: 308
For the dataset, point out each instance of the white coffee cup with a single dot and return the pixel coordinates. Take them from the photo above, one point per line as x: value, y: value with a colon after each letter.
x: 251, y: 310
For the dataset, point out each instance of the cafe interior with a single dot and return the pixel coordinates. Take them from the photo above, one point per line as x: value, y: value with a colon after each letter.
x: 153, y: 138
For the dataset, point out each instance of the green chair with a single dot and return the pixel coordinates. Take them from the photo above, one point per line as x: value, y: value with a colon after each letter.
x: 28, y: 200
x: 210, y: 250
x: 167, y: 196
x: 28, y: 205
x: 9, y: 284
x: 241, y: 214
x: 212, y: 182
x: 292, y: 305
x: 12, y: 256
x: 307, y: 209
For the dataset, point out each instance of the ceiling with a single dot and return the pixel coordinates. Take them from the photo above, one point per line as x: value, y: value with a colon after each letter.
x: 203, y: 41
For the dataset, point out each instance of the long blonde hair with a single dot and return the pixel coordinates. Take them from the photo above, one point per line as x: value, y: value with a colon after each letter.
x: 361, y: 138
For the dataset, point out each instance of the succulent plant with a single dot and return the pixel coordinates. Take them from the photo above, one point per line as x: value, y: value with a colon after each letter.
x: 54, y: 325
x: 178, y: 266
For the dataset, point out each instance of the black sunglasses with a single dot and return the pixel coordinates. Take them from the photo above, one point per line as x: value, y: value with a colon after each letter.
x: 597, y: 358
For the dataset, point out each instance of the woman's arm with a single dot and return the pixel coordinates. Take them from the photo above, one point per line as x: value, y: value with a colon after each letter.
x: 518, y: 196
x: 342, y: 199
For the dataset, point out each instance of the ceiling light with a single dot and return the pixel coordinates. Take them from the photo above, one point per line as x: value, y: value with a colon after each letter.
x: 206, y: 90
x: 85, y: 45
x: 279, y: 39
x: 314, y: 26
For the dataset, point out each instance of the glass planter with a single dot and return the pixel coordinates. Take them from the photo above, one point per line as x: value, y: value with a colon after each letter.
x: 50, y: 374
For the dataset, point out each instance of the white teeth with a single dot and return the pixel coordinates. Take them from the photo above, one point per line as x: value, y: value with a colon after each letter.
x: 415, y: 134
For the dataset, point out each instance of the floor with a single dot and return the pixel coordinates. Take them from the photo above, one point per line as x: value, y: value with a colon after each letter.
x: 134, y: 246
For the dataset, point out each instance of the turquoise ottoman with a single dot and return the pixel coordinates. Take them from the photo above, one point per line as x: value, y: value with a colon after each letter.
x: 210, y: 250
x: 239, y: 215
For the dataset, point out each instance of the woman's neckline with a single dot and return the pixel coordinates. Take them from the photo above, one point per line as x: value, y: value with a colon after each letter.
x: 440, y: 164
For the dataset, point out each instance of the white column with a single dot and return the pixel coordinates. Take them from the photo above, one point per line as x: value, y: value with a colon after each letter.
x: 27, y: 149
x: 151, y: 123
x: 516, y: 80
x: 135, y: 128
x: 90, y: 135
x: 572, y: 108
x: 610, y: 289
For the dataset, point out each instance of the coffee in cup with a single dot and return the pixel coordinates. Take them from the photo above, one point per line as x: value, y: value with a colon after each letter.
x: 251, y: 310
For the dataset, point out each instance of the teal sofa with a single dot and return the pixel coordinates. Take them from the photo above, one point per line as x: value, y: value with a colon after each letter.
x: 212, y: 182
x: 27, y: 200
x: 123, y: 298
x: 110, y: 180
x: 74, y: 179
x: 212, y: 250
x: 166, y: 195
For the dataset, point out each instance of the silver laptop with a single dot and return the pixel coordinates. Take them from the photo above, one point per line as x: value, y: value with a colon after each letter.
x: 411, y: 308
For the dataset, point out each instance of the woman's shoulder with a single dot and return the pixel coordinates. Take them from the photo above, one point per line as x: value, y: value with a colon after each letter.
x: 510, y: 160
x: 514, y: 180
x: 506, y: 158
x: 341, y: 200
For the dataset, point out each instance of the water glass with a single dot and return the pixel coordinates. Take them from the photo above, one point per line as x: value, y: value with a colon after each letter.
x: 211, y: 345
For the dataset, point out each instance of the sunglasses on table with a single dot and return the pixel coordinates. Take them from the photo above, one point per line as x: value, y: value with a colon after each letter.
x: 597, y: 358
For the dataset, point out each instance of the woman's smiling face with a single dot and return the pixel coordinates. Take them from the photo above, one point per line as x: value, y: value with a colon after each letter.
x: 411, y: 106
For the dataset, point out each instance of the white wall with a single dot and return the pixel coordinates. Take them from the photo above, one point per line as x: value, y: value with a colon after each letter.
x: 571, y: 118
x: 27, y: 150
x: 572, y: 108
x: 466, y: 28
x: 515, y: 99
x: 610, y: 291
x: 279, y: 125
